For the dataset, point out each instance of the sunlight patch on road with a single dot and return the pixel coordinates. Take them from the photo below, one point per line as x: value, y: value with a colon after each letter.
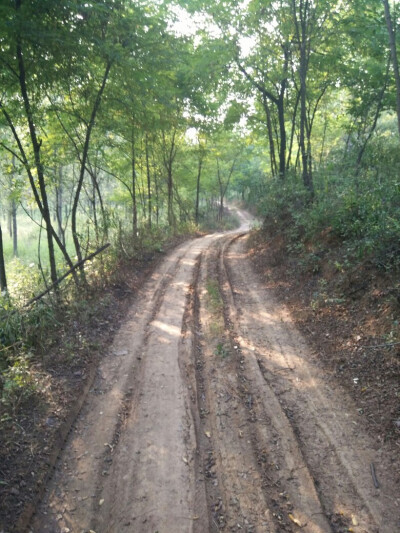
x: 167, y: 328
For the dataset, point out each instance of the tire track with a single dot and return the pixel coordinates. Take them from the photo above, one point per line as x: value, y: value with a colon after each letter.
x: 74, y: 494
x: 234, y: 483
x: 208, y: 415
x: 156, y: 454
x: 305, y: 411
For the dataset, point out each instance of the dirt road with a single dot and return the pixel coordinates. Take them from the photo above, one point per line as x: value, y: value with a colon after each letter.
x: 210, y: 414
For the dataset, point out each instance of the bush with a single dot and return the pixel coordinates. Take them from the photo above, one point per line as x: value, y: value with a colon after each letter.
x: 360, y: 207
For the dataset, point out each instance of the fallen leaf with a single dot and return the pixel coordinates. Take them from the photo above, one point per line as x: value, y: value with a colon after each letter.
x: 207, y: 434
x: 295, y: 521
x: 101, y: 502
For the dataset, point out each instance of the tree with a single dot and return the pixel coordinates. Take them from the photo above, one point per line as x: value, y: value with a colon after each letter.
x: 31, y: 59
x: 3, y: 278
x: 225, y: 152
x: 393, y: 51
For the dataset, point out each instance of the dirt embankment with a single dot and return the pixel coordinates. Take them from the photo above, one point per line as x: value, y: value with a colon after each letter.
x: 350, y: 318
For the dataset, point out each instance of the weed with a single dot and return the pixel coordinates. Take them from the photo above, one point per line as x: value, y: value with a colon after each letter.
x: 320, y: 297
x: 214, y: 296
x: 17, y: 385
x: 221, y: 350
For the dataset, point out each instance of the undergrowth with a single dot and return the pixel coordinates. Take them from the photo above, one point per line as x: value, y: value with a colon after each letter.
x: 356, y: 208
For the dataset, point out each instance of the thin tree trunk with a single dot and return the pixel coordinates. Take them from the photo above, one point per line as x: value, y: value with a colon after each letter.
x: 59, y: 203
x: 281, y: 115
x: 306, y: 174
x: 199, y: 170
x: 14, y: 228
x: 168, y: 163
x: 148, y: 173
x: 9, y: 220
x: 223, y: 187
x: 36, y: 145
x: 293, y: 131
x: 142, y: 190
x: 379, y: 106
x: 279, y: 103
x: 3, y: 278
x: 196, y: 215
x: 393, y: 50
x: 83, y: 160
x: 97, y: 192
x: 157, y: 200
x: 24, y: 160
x: 133, y: 187
x: 282, y: 143
x: 270, y: 135
x: 301, y: 34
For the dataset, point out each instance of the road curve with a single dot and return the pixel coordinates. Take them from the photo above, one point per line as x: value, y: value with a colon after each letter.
x: 210, y: 413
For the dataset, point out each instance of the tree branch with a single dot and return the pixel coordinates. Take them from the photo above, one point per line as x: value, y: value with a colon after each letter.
x: 70, y: 271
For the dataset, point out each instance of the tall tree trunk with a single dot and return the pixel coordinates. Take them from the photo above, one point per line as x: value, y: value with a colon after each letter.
x: 148, y: 173
x: 223, y: 187
x: 306, y: 172
x: 301, y: 24
x: 278, y: 101
x: 171, y: 215
x: 169, y: 157
x: 59, y: 204
x: 282, y: 140
x: 201, y: 155
x: 281, y: 114
x: 133, y: 187
x: 293, y: 131
x: 270, y: 135
x: 393, y: 51
x: 83, y: 161
x: 199, y: 168
x: 221, y: 193
x: 14, y: 228
x: 97, y: 193
x: 3, y: 278
x: 36, y: 145
x: 35, y: 191
x: 9, y: 220
x: 156, y: 186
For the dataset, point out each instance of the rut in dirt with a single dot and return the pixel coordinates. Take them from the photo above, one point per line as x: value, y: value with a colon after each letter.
x: 211, y: 414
